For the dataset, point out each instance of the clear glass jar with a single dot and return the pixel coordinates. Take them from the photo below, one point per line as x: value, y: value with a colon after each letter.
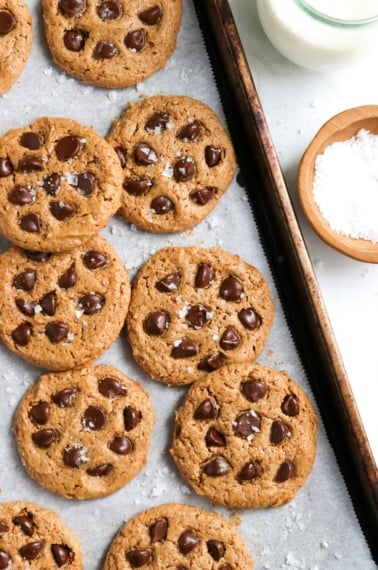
x: 323, y: 35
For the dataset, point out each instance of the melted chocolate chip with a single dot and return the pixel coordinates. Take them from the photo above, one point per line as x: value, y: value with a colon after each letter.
x: 217, y: 467
x: 74, y: 456
x: 105, y: 50
x: 5, y: 560
x: 91, y: 303
x: 184, y: 169
x: 68, y: 278
x: 158, y: 531
x: 150, y: 16
x: 158, y: 122
x: 30, y: 223
x: 184, y: 348
x: 246, y: 425
x: 250, y: 471
x: 62, y: 554
x: 37, y: 256
x: 62, y: 211
x: 95, y: 260
x: 284, y: 472
x: 156, y: 323
x: 94, y: 418
x: 64, y: 398
x: 249, y: 319
x: 56, y: 331
x: 202, y: 197
x: 212, y: 362
x: 213, y: 155
x: 51, y: 184
x: 7, y: 22
x: 121, y: 445
x: 231, y: 289
x: 131, y: 418
x: 161, y: 205
x: 44, y: 438
x: 25, y: 522
x: 144, y: 155
x: 111, y: 388
x: 190, y: 132
x: 169, y: 283
x: 68, y: 147
x: 22, y: 334
x: 25, y: 280
x: 207, y: 410
x: 290, y: 405
x: 135, y: 40
x: 121, y: 153
x: 3, y: 528
x: 187, y: 541
x: 72, y: 7
x: 39, y: 413
x: 74, y: 40
x: 26, y: 307
x: 31, y: 550
x: 48, y: 303
x: 230, y: 339
x: 138, y: 557
x: 6, y: 167
x: 86, y: 182
x: 278, y: 431
x: 215, y: 438
x: 204, y: 276
x: 30, y: 163
x: 216, y: 549
x: 137, y: 186
x: 30, y: 140
x: 21, y: 195
x: 198, y: 315
x: 253, y: 390
x: 109, y: 10
x: 100, y: 470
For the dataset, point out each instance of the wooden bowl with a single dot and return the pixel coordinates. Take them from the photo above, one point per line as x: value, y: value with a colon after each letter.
x: 341, y: 127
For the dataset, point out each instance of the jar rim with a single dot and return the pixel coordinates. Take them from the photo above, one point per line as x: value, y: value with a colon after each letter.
x: 326, y: 18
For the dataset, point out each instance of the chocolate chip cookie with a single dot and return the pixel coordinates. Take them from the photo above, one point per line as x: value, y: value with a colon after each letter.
x: 193, y: 310
x: 179, y: 537
x: 15, y: 40
x: 177, y: 162
x: 35, y: 537
x: 59, y: 184
x: 245, y: 437
x: 84, y: 433
x: 62, y: 310
x: 111, y: 43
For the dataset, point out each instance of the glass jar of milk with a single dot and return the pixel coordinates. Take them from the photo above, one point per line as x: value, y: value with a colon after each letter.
x: 322, y: 35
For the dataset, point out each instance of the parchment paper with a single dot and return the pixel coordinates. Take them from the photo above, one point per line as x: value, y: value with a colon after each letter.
x: 318, y: 530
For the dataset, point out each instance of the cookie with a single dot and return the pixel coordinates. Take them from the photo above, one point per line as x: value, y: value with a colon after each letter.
x: 35, y: 537
x: 193, y: 310
x: 62, y: 310
x: 111, y: 43
x: 59, y: 184
x: 84, y: 433
x: 177, y: 162
x: 245, y: 437
x: 178, y: 536
x: 16, y: 36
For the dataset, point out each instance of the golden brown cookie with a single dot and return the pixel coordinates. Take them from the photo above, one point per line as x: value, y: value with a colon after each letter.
x: 245, y: 437
x: 15, y: 40
x: 111, y: 43
x: 35, y: 537
x: 62, y: 310
x: 84, y: 433
x: 178, y: 537
x: 59, y: 184
x: 177, y: 162
x: 193, y: 310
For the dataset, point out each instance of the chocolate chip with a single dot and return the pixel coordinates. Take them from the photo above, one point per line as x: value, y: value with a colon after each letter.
x: 26, y: 307
x: 68, y: 278
x: 246, y: 425
x: 51, y: 184
x: 37, y: 256
x: 138, y: 557
x: 64, y: 398
x: 230, y: 339
x: 144, y: 155
x: 62, y: 554
x: 249, y: 318
x: 56, y: 331
x: 25, y: 280
x: 158, y: 122
x: 5, y: 560
x: 22, y: 334
x: 207, y: 410
x: 121, y: 445
x: 253, y: 390
x: 68, y: 147
x: 30, y: 223
x: 204, y: 276
x: 278, y: 431
x: 122, y: 154
x: 105, y: 50
x: 184, y: 348
x: 137, y: 186
x: 3, y: 528
x: 250, y: 471
x: 91, y: 303
x: 216, y: 549
x: 48, y: 303
x: 217, y: 467
x: 72, y: 7
x: 61, y: 211
x: 44, y: 438
x: 30, y: 140
x: 30, y: 163
x: 161, y: 205
x: 212, y: 362
x: 25, y: 522
x: 21, y: 195
x: 109, y: 10
x: 215, y: 438
x: 100, y: 470
x: 284, y: 472
x: 86, y: 182
x: 135, y: 40
x: 74, y: 456
x: 187, y: 541
x: 150, y: 16
x: 198, y: 315
x: 111, y: 388
x: 184, y: 169
x: 191, y: 131
x: 231, y: 289
x: 95, y: 259
x: 31, y: 550
x: 290, y: 405
x: 94, y: 418
x: 39, y: 413
x: 6, y: 167
x: 74, y: 40
x: 131, y: 418
x: 158, y: 530
x: 156, y: 323
x: 202, y: 197
x: 7, y: 22
x: 169, y: 283
x: 213, y: 155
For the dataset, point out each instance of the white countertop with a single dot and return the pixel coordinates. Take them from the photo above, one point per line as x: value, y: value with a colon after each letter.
x: 296, y: 103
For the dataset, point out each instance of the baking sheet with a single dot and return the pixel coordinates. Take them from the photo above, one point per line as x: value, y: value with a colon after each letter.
x: 318, y: 530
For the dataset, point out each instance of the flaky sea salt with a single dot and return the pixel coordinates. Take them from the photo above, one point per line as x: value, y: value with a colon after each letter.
x: 346, y: 186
